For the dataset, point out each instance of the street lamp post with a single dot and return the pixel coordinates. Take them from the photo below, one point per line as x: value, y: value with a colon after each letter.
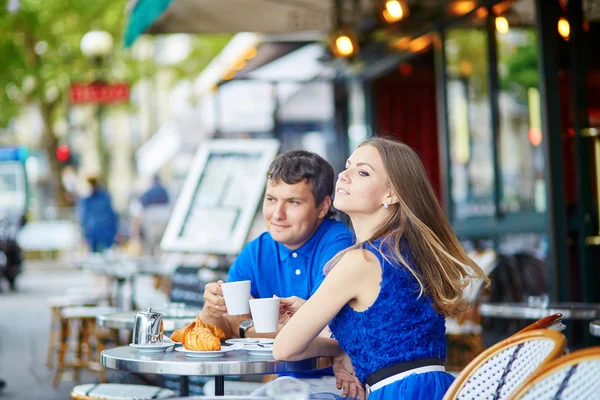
x: 97, y: 45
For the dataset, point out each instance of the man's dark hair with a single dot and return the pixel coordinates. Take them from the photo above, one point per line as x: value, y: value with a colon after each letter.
x: 299, y: 165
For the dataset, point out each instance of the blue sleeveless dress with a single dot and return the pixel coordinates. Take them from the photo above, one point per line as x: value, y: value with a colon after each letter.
x: 400, y: 326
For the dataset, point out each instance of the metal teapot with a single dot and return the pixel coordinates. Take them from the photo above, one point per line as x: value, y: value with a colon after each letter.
x: 148, y: 327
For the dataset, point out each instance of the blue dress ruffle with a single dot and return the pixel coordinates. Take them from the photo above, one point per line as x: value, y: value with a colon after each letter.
x: 400, y: 326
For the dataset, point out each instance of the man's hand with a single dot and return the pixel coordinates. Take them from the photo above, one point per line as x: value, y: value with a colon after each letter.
x: 214, y: 304
x: 288, y: 307
x: 345, y: 378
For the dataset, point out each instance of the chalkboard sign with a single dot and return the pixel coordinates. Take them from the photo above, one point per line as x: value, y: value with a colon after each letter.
x: 187, y: 286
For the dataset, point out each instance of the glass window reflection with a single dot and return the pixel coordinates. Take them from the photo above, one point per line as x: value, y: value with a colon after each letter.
x: 469, y: 123
x: 521, y: 153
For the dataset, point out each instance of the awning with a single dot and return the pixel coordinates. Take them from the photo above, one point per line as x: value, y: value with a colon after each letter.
x: 227, y: 16
x: 142, y: 14
x: 302, y: 83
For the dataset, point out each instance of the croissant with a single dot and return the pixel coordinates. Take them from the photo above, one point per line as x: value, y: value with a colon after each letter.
x: 215, y: 330
x: 200, y: 339
x: 177, y: 335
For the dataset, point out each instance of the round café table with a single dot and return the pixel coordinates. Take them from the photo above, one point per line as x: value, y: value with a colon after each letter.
x: 575, y: 311
x: 126, y: 358
x: 595, y: 328
x: 124, y: 320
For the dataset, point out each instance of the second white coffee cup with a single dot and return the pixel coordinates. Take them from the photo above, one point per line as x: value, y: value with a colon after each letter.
x: 265, y: 314
x: 236, y: 295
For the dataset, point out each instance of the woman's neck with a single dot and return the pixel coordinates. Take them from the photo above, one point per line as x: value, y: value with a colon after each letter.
x: 365, y: 225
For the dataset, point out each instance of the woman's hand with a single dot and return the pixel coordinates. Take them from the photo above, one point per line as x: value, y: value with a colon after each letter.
x: 288, y: 307
x: 345, y: 378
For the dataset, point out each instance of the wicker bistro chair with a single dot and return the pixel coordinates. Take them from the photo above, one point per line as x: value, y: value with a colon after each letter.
x: 572, y: 377
x: 117, y: 391
x: 222, y: 398
x: 500, y: 369
x: 552, y: 322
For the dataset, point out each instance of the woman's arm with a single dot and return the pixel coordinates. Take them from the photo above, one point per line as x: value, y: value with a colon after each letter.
x: 344, y: 283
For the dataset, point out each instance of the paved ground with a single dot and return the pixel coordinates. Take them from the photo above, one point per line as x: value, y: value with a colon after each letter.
x: 24, y: 327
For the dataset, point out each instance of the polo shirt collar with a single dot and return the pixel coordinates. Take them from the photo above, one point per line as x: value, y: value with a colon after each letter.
x: 307, y: 248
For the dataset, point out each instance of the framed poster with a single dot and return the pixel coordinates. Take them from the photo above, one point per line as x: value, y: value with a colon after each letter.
x: 220, y: 195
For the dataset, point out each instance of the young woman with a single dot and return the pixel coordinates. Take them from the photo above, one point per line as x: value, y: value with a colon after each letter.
x: 385, y: 299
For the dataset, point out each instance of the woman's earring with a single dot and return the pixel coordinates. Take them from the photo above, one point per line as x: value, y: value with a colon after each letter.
x: 386, y: 205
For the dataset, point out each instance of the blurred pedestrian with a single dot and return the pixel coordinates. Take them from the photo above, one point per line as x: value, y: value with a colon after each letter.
x: 156, y: 194
x: 149, y: 217
x: 98, y: 218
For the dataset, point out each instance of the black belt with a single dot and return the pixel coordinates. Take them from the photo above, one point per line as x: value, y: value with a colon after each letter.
x: 399, y: 368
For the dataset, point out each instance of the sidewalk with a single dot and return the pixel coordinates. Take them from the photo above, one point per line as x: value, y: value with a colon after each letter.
x: 25, y: 322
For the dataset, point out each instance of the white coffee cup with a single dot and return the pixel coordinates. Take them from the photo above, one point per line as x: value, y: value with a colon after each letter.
x: 265, y: 314
x: 236, y: 295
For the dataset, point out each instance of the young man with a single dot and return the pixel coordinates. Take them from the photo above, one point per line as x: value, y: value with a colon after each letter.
x: 302, y: 237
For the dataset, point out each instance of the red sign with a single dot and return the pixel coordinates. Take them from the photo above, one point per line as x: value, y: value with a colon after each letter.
x: 99, y: 93
x: 63, y: 153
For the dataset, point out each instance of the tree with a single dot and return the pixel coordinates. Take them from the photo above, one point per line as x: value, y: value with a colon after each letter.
x: 41, y: 58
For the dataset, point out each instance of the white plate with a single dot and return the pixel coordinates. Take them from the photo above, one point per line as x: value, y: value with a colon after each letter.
x: 251, y: 341
x: 210, y: 354
x: 152, y: 348
x: 263, y: 350
x: 169, y: 340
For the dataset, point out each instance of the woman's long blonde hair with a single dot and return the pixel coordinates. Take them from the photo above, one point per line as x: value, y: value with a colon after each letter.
x: 442, y: 267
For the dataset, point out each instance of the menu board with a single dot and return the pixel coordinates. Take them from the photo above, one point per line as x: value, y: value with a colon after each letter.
x: 220, y: 196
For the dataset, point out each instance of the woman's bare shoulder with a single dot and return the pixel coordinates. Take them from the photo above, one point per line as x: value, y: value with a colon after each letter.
x: 359, y: 260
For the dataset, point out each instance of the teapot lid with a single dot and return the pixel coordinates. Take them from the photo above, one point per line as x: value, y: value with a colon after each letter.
x: 148, y: 311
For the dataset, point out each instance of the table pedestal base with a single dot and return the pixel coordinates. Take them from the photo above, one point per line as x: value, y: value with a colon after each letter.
x: 184, y: 386
x: 219, y: 386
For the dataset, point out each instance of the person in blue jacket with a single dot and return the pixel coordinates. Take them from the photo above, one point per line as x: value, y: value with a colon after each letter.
x: 98, y: 217
x: 156, y: 194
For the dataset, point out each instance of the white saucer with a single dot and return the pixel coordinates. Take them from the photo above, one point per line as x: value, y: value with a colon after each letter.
x: 210, y: 354
x: 251, y: 341
x: 169, y: 340
x: 152, y: 348
x: 256, y: 350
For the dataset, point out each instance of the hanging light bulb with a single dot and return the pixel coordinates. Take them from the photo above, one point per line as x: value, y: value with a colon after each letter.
x: 564, y: 28
x: 502, y: 25
x: 343, y: 43
x: 462, y: 7
x: 394, y: 10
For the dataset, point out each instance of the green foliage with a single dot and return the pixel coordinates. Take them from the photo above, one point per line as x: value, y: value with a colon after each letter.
x: 468, y: 47
x: 204, y: 49
x: 41, y: 58
x: 520, y: 63
x: 39, y: 48
x: 55, y: 28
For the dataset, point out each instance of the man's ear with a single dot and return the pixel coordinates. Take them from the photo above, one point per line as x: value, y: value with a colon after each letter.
x: 324, y: 207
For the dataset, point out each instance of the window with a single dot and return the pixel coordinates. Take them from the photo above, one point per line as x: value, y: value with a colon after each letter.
x: 521, y: 152
x: 472, y: 175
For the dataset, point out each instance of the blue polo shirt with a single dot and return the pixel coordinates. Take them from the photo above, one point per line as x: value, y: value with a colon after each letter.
x: 276, y: 270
